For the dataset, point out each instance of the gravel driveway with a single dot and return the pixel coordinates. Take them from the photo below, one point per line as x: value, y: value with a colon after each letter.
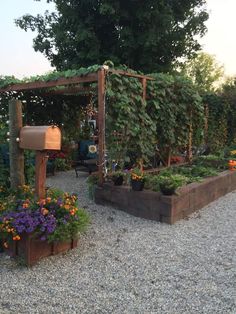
x: 130, y: 265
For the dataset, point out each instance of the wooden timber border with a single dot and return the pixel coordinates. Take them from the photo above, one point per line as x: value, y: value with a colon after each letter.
x: 169, y: 209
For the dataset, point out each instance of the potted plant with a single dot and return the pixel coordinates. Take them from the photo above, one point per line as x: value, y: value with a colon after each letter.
x: 117, y: 177
x: 32, y: 228
x: 137, y: 179
x: 169, y: 184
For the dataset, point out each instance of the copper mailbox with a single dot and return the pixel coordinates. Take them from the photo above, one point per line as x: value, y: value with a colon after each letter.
x: 40, y: 137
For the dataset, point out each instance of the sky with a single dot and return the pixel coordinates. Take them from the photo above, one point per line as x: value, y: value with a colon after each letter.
x: 18, y: 58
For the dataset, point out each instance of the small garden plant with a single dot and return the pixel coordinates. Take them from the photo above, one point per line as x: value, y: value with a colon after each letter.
x: 137, y: 174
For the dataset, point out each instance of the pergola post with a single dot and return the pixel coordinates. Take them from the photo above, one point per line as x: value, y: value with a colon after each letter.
x: 16, y: 154
x: 144, y: 84
x: 40, y: 173
x: 144, y: 96
x: 101, y: 124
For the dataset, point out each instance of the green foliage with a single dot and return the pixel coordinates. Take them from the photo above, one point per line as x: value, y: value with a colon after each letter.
x: 173, y: 105
x: 130, y: 129
x: 174, y: 177
x: 201, y: 171
x: 62, y: 164
x: 229, y: 95
x: 147, y: 35
x: 169, y: 184
x: 151, y: 182
x: 204, y: 71
x: 118, y: 174
x: 55, y: 193
x: 4, y: 175
x: 214, y: 161
x: 137, y: 174
x: 133, y: 126
x: 8, y: 80
x: 218, y: 113
x: 70, y: 230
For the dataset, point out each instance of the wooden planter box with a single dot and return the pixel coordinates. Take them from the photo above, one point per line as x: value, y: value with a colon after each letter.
x: 156, y: 206
x: 32, y: 249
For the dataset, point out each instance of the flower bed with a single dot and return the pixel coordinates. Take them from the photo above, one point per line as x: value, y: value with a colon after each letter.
x: 169, y: 209
x: 32, y: 229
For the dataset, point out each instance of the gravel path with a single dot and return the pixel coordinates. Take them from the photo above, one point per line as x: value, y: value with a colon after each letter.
x: 130, y: 265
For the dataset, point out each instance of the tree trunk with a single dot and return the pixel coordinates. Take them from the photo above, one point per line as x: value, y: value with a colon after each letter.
x: 17, y: 176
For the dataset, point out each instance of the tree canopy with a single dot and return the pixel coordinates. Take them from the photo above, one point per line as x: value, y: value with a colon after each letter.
x: 205, y: 71
x: 146, y: 35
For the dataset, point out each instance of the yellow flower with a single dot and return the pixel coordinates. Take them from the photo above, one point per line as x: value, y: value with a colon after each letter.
x: 233, y: 152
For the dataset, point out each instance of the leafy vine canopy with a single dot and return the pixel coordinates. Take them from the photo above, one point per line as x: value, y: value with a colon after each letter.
x: 134, y: 125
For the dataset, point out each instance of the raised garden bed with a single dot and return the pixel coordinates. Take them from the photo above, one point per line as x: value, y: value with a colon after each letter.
x: 169, y: 209
x: 30, y: 249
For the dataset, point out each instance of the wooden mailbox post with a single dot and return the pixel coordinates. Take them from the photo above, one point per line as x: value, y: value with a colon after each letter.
x: 40, y: 139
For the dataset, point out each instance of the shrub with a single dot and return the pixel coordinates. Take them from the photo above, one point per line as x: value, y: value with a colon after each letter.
x: 169, y: 184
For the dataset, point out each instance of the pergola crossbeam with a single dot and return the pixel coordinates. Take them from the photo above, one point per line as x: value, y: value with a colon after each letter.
x: 139, y: 76
x: 90, y: 78
x: 69, y: 91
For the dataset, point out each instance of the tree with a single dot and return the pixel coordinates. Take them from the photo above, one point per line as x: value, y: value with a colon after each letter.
x: 205, y: 72
x: 146, y: 35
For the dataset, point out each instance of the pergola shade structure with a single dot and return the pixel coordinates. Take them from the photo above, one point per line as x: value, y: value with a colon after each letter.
x: 72, y: 86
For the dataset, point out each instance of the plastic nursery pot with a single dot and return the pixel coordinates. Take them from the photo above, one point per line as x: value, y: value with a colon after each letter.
x: 167, y: 191
x: 137, y: 185
x: 118, y: 180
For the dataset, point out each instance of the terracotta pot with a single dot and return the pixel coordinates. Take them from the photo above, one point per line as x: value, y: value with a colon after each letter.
x: 32, y: 249
x: 137, y: 185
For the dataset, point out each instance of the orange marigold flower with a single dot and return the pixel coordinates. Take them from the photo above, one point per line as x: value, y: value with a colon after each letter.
x: 44, y: 211
x: 48, y: 199
x: 42, y: 202
x: 67, y: 207
x: 72, y: 212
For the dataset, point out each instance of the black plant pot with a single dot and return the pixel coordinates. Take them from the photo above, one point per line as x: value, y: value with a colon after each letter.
x: 118, y: 180
x: 137, y: 185
x: 167, y: 191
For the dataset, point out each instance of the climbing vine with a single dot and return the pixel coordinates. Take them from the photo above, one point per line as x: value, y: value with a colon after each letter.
x: 134, y: 126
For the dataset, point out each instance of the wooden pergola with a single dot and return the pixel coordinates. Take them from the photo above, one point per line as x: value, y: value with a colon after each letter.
x: 72, y: 86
